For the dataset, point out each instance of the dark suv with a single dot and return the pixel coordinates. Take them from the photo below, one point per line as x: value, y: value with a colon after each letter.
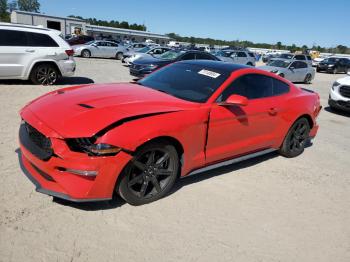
x: 80, y: 39
x: 334, y: 65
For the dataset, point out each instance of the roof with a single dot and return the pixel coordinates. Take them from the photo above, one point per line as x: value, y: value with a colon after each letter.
x: 50, y: 16
x: 218, y: 65
x: 97, y: 28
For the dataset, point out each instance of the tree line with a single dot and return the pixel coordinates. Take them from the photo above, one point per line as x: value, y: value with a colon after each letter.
x: 339, y: 49
x: 24, y: 5
x: 112, y: 23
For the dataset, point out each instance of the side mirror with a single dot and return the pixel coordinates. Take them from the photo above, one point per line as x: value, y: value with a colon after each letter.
x: 291, y: 68
x: 94, y: 44
x: 235, y: 100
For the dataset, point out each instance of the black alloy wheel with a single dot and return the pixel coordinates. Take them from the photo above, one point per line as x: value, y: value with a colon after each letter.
x: 44, y: 74
x: 119, y: 56
x: 296, y: 139
x: 150, y: 174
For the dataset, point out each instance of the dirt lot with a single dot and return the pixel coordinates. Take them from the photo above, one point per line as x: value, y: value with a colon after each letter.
x: 266, y: 209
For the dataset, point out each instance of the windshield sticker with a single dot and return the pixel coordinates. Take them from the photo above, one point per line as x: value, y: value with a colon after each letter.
x: 209, y: 73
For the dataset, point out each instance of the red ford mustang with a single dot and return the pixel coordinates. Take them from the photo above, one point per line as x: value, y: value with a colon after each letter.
x: 87, y: 142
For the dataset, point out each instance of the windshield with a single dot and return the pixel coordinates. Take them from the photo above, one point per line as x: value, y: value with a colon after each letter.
x: 90, y: 42
x: 144, y: 50
x: 170, y: 55
x: 286, y: 56
x: 279, y: 63
x: 195, y: 83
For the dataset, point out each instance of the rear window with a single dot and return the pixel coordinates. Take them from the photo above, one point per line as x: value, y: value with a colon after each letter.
x: 195, y: 83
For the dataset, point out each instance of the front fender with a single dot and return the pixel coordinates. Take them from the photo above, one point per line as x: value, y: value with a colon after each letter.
x: 189, y: 128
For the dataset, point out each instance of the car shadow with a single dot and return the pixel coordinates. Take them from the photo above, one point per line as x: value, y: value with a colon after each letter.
x: 336, y: 111
x: 186, y: 181
x: 76, y: 80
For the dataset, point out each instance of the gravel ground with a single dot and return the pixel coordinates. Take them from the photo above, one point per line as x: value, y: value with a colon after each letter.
x: 267, y: 209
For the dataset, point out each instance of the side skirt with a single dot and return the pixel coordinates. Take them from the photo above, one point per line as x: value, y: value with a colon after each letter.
x: 231, y: 161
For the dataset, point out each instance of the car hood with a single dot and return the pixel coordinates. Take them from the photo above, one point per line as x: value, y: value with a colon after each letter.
x: 344, y: 81
x: 75, y: 47
x: 152, y: 61
x: 85, y: 110
x: 270, y: 68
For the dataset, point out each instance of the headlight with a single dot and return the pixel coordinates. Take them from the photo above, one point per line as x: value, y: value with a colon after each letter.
x: 103, y: 149
x: 87, y: 145
x: 335, y: 84
x: 330, y: 65
x: 152, y: 66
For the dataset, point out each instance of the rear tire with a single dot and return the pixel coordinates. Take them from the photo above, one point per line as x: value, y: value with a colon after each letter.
x: 335, y: 70
x: 249, y: 64
x: 296, y: 139
x: 44, y: 74
x: 86, y: 53
x: 150, y: 175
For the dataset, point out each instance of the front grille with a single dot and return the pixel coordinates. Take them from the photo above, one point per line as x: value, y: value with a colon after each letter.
x: 137, y: 67
x: 345, y: 91
x: 38, y: 144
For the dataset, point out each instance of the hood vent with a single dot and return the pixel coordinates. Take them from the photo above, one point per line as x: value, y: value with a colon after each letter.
x: 86, y: 106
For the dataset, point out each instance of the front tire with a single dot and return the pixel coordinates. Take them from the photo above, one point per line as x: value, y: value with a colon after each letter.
x: 307, y: 79
x: 150, y: 175
x: 86, y: 53
x: 119, y: 56
x: 44, y: 74
x: 296, y: 139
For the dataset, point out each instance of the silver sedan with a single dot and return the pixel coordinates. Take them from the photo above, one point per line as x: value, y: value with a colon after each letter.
x: 294, y: 71
x: 105, y: 49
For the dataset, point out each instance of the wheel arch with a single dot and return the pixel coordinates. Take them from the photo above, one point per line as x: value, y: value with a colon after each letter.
x: 308, y: 118
x: 167, y: 139
x: 36, y: 63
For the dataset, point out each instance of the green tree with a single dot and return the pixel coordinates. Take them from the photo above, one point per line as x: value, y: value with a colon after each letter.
x: 279, y: 45
x: 29, y: 5
x: 4, y: 15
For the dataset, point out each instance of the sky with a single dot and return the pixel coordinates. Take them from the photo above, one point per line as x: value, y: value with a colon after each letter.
x: 320, y: 22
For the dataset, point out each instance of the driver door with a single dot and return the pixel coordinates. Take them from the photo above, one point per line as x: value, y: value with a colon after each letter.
x: 235, y: 130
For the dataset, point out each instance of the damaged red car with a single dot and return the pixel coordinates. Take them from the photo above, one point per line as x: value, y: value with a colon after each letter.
x: 86, y: 143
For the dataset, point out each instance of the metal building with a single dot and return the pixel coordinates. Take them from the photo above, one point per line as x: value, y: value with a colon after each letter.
x: 68, y: 25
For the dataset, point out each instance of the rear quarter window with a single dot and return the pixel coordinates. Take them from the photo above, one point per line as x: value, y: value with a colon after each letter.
x: 40, y: 40
x: 279, y: 87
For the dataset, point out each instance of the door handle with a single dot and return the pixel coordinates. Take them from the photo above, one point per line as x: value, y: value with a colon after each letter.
x: 273, y: 111
x: 30, y: 50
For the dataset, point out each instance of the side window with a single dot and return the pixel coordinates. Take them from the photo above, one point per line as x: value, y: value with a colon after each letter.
x: 101, y: 44
x: 302, y: 65
x: 299, y: 57
x: 40, y: 40
x: 188, y: 56
x: 203, y: 56
x: 294, y: 65
x: 251, y: 55
x: 241, y: 54
x: 110, y: 44
x: 252, y: 86
x: 309, y: 58
x: 12, y: 38
x: 279, y: 87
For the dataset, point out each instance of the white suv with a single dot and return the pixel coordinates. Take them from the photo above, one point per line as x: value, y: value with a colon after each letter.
x: 237, y: 56
x: 38, y: 54
x: 339, y: 96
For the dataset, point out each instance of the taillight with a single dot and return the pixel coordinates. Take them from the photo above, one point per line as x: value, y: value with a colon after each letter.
x: 70, y: 52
